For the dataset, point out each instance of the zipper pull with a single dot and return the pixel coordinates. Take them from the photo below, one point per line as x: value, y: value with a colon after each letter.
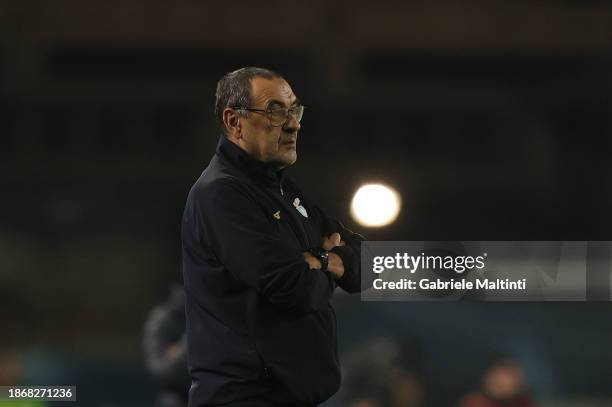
x: 281, y: 189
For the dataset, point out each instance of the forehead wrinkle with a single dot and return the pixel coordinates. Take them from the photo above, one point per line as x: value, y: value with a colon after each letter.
x: 283, y: 104
x: 271, y: 91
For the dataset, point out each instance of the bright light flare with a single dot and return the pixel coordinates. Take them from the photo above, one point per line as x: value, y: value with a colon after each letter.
x: 375, y: 205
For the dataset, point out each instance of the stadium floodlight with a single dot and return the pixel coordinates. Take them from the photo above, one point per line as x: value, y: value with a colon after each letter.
x: 375, y: 205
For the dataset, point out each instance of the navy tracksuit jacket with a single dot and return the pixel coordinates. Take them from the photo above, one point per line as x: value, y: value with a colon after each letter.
x: 260, y: 328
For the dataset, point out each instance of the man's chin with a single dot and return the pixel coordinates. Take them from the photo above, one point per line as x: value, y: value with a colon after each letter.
x: 285, y: 161
x: 292, y: 158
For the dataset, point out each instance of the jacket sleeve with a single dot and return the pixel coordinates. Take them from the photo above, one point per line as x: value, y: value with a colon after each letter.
x: 350, y: 253
x: 248, y: 242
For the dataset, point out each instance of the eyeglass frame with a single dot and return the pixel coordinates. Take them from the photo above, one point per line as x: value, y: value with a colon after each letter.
x: 268, y: 112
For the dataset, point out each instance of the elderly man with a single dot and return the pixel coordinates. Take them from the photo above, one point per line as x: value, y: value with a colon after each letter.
x: 260, y: 260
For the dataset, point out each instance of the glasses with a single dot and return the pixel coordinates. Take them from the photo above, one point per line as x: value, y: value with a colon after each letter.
x: 277, y: 116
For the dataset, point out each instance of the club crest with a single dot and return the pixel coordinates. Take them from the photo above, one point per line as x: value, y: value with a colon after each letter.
x: 300, y: 208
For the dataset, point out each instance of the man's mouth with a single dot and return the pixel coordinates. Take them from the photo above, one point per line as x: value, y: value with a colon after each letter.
x: 289, y: 143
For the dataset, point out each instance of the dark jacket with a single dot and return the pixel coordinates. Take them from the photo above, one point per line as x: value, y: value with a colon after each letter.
x: 165, y: 328
x: 259, y: 323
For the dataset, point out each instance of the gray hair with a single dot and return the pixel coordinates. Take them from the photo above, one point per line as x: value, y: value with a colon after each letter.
x: 234, y: 89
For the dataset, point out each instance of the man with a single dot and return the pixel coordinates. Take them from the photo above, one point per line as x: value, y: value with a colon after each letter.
x: 165, y: 349
x: 503, y: 385
x: 260, y: 260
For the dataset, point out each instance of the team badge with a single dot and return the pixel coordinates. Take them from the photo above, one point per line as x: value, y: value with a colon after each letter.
x: 300, y: 208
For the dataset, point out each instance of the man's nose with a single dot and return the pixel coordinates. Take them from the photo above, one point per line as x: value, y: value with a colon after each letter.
x: 291, y: 125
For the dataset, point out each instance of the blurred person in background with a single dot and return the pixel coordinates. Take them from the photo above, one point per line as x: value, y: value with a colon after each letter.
x: 14, y: 314
x: 165, y: 349
x: 503, y: 385
x: 11, y: 372
x: 10, y: 375
x: 260, y: 260
x: 383, y: 372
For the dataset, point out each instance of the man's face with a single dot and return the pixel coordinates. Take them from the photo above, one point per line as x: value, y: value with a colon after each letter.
x: 267, y: 143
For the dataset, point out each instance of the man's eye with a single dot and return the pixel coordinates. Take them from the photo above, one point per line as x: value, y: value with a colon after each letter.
x: 278, y: 112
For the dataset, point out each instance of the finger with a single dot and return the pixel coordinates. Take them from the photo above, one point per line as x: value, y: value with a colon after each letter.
x: 332, y: 241
x: 335, y: 239
x: 313, y: 262
x: 327, y: 244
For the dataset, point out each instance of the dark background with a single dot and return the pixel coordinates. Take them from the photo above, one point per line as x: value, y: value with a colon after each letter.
x: 491, y: 118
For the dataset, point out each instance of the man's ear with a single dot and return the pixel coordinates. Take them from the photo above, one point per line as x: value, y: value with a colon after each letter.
x: 232, y: 123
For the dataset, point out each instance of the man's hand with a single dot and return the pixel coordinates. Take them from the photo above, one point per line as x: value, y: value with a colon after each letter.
x: 332, y: 241
x: 335, y: 265
x: 312, y: 261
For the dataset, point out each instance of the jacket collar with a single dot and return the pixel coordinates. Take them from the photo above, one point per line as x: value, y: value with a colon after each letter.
x: 239, y: 158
